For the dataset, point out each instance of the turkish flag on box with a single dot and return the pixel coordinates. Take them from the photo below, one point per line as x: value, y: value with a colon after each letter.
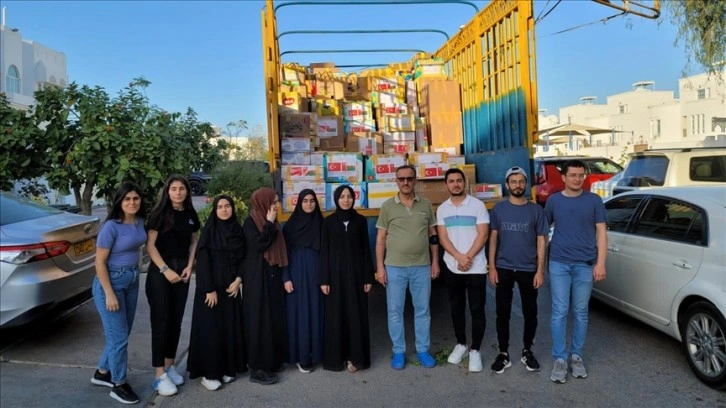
x: 385, y: 168
x: 433, y: 170
x: 336, y: 166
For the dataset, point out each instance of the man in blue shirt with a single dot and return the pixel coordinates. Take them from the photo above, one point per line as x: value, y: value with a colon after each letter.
x: 576, y: 260
x: 517, y: 254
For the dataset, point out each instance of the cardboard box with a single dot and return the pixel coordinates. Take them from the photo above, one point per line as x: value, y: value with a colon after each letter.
x: 292, y: 74
x: 355, y: 126
x: 358, y: 111
x: 399, y: 136
x: 422, y: 140
x: 325, y: 107
x: 390, y: 84
x: 431, y: 171
x: 411, y: 95
x: 295, y: 187
x: 452, y: 151
x: 316, y: 158
x: 434, y: 190
x: 295, y: 145
x: 360, y: 190
x: 290, y: 102
x: 366, y: 143
x: 399, y: 147
x: 439, y: 97
x: 385, y: 98
x: 433, y: 67
x: 469, y: 173
x: 400, y: 123
x: 294, y: 125
x: 394, y: 109
x: 302, y: 173
x: 358, y: 88
x: 295, y: 158
x: 445, y: 130
x: 329, y: 127
x: 486, y: 191
x: 343, y: 167
x: 426, y: 158
x: 378, y: 193
x: 382, y: 167
x: 456, y: 160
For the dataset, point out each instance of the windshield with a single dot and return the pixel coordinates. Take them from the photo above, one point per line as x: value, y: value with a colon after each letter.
x: 646, y: 170
x: 17, y: 209
x: 604, y: 167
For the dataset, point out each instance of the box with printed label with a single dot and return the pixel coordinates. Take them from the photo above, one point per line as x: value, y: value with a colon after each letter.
x: 366, y: 143
x: 295, y: 158
x: 431, y: 170
x: 329, y: 126
x: 388, y: 109
x: 382, y: 167
x: 451, y: 151
x: 354, y: 126
x: 454, y: 159
x: 295, y: 145
x: 391, y: 84
x: 399, y: 147
x: 342, y: 167
x: 361, y: 196
x: 385, y: 98
x: 486, y: 191
x: 378, y: 193
x: 292, y: 172
x: 292, y: 74
x: 316, y: 158
x: 290, y: 102
x: 295, y: 125
x: 325, y: 107
x: 426, y: 158
x: 358, y: 111
x: 295, y: 187
x: 400, y: 123
x: 399, y: 136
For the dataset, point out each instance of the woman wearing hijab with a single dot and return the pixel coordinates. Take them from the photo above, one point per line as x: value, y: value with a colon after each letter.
x: 216, y: 347
x: 304, y: 300
x: 263, y: 293
x: 346, y: 276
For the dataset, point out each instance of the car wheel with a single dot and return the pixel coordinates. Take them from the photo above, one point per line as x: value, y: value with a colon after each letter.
x: 703, y: 332
x: 196, y: 187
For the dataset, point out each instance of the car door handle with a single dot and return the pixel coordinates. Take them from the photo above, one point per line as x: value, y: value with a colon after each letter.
x: 682, y: 264
x: 613, y: 248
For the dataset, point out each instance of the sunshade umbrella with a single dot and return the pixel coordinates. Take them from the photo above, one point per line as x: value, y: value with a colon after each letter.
x: 570, y: 129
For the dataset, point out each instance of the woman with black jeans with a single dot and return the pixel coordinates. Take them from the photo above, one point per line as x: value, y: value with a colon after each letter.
x: 172, y: 244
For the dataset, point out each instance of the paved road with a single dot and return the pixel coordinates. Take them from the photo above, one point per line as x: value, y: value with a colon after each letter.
x: 630, y: 365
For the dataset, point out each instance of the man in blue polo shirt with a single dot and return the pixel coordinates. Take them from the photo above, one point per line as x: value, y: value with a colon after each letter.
x: 463, y: 226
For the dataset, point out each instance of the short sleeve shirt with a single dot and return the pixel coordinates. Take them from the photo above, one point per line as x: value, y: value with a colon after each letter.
x: 574, y: 218
x: 407, y: 231
x: 174, y: 243
x: 518, y: 227
x: 123, y: 242
x: 461, y: 223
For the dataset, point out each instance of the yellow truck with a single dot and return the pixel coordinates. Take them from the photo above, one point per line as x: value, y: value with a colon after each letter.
x: 491, y: 59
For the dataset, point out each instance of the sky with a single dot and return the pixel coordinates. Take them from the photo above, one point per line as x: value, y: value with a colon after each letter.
x: 208, y: 55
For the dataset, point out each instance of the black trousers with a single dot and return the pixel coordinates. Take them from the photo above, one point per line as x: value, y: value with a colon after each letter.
x: 528, y: 294
x: 461, y: 286
x: 166, y: 308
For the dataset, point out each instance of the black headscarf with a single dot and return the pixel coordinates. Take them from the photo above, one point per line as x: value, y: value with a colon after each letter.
x: 303, y: 229
x: 224, y: 235
x: 344, y: 215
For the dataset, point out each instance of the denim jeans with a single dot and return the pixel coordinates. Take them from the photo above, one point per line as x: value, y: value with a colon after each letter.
x: 117, y: 325
x: 418, y: 280
x: 567, y: 279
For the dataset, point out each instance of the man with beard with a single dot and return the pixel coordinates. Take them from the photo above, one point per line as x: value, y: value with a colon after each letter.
x: 517, y: 254
x: 463, y: 226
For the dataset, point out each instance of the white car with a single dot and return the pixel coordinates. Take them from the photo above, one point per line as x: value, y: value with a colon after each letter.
x: 666, y: 266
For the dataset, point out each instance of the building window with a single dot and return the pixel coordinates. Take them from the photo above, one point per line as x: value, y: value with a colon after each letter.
x: 655, y: 127
x: 704, y: 93
x: 12, y: 80
x: 623, y: 108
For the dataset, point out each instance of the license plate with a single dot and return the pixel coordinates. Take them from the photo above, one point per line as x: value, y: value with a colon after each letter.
x: 84, y: 247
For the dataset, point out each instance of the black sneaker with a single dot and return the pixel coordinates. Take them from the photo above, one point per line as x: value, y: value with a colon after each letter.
x: 263, y: 377
x: 529, y: 361
x: 124, y: 394
x: 102, y: 379
x: 502, y: 362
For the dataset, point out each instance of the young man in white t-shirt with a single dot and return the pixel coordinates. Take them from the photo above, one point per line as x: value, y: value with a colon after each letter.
x: 463, y: 228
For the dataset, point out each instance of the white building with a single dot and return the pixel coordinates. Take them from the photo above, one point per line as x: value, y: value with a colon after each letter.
x: 648, y: 118
x: 26, y: 66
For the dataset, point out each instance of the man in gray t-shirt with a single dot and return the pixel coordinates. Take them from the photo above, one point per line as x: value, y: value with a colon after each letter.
x: 516, y: 254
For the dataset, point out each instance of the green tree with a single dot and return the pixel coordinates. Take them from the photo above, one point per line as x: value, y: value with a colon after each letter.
x: 702, y: 30
x: 255, y: 147
x: 96, y: 142
x: 22, y: 150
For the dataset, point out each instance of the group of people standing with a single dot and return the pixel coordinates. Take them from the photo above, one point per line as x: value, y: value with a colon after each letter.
x: 267, y: 295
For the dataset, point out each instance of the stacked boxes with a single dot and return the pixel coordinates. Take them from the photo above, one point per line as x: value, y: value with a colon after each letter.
x: 357, y: 129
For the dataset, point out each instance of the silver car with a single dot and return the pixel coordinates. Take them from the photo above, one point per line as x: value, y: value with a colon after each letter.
x: 46, y: 256
x: 666, y: 266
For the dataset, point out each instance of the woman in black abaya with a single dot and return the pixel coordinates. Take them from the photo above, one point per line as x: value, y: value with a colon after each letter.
x: 304, y: 300
x: 346, y: 276
x: 216, y: 347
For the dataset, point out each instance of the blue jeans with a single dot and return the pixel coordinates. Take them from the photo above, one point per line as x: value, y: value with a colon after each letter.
x: 569, y: 279
x: 117, y: 325
x: 418, y: 280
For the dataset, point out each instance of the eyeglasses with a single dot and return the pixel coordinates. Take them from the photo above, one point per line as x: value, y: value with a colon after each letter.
x: 408, y: 179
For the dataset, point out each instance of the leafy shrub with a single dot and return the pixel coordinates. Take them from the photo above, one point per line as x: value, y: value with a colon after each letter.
x: 240, y: 179
x: 240, y: 208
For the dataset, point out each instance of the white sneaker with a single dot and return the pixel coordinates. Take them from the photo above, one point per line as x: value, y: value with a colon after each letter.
x: 474, y: 361
x: 211, y: 385
x: 457, y: 354
x: 227, y: 379
x: 164, y: 386
x: 174, y: 375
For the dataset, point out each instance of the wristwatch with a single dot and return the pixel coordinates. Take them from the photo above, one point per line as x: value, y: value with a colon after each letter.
x: 163, y: 269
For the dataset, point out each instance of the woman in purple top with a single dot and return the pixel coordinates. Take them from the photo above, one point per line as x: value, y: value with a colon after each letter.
x: 116, y: 287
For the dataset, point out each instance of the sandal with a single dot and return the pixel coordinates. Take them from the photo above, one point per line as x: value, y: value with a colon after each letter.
x: 351, y: 368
